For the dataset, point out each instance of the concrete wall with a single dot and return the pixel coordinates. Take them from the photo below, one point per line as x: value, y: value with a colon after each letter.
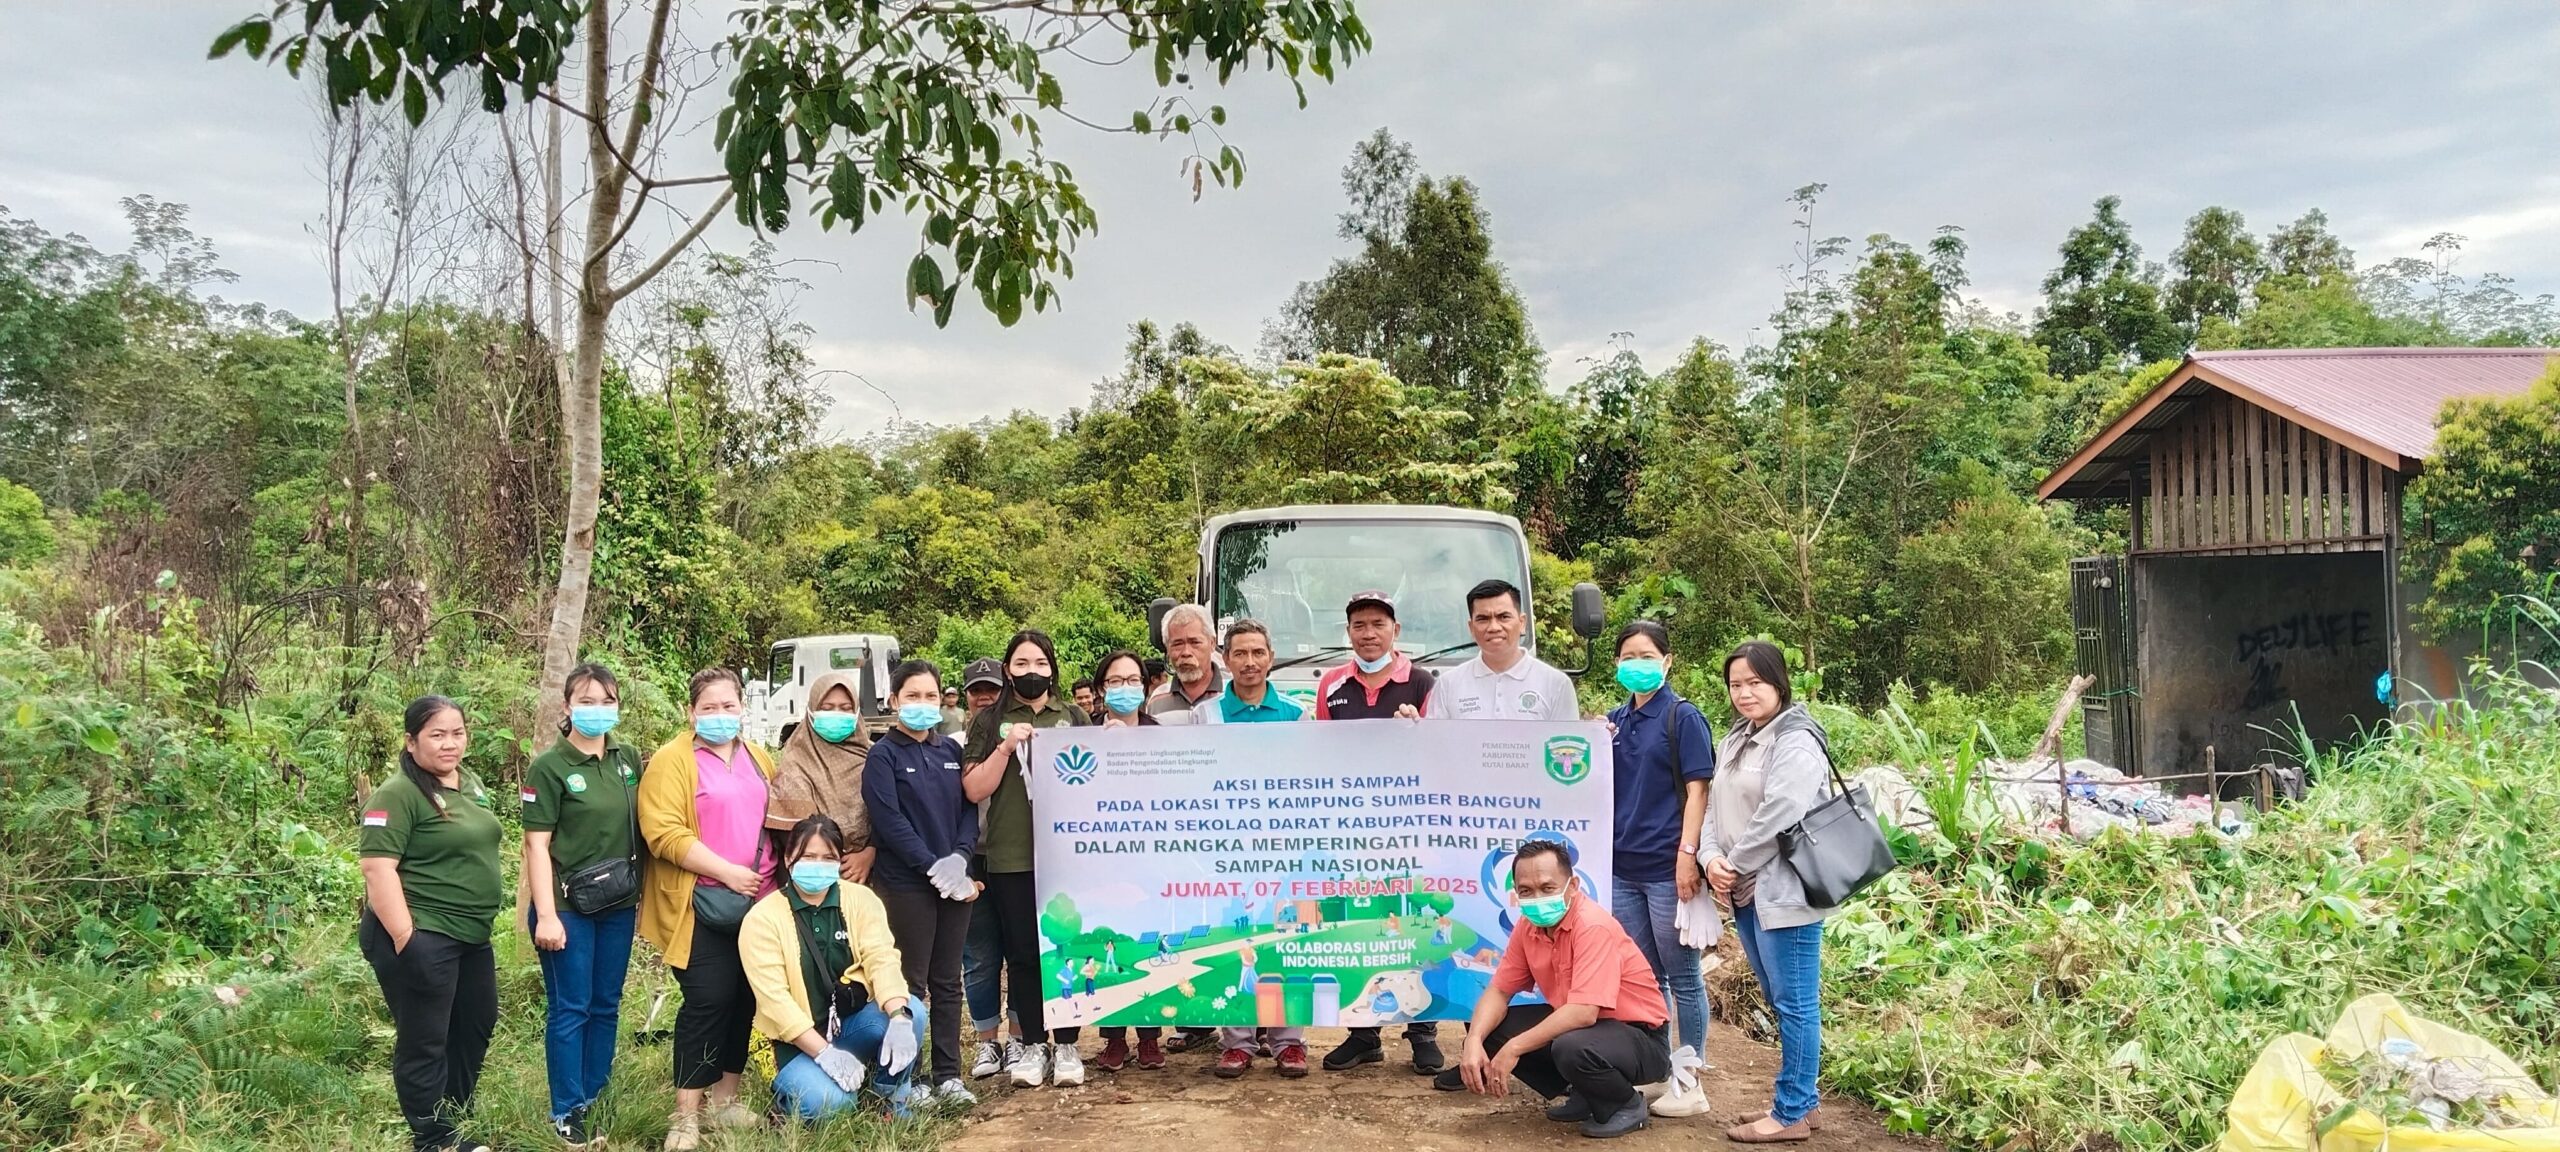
x: 2229, y: 645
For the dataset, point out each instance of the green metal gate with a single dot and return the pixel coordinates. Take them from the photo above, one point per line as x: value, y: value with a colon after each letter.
x: 2102, y: 626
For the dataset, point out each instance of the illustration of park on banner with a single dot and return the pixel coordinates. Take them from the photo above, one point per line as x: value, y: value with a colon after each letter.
x: 1345, y: 873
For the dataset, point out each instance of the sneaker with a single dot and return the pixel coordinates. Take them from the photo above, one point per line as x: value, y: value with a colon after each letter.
x: 1030, y: 1063
x: 955, y: 1094
x: 735, y: 1115
x: 1066, y: 1068
x: 1150, y: 1055
x: 1192, y: 1040
x: 1450, y: 1079
x: 684, y: 1132
x: 572, y: 1129
x: 1353, y: 1053
x: 1293, y: 1061
x: 989, y: 1060
x: 1573, y: 1109
x: 1427, y: 1060
x: 1234, y: 1062
x: 1114, y: 1054
x: 1630, y: 1116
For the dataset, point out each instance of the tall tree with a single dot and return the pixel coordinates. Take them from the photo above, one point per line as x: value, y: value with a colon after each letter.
x: 2102, y: 304
x: 1424, y: 296
x: 2217, y: 262
x: 930, y: 108
x: 2306, y: 249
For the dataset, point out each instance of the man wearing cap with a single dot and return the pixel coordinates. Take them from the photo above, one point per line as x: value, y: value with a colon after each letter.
x: 1378, y: 681
x: 981, y: 954
x: 1188, y: 635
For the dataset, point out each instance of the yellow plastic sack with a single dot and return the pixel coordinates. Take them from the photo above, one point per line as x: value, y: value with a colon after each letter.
x: 2282, y: 1101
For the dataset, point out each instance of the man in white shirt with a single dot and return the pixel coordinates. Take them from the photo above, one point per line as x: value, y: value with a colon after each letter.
x: 1503, y: 681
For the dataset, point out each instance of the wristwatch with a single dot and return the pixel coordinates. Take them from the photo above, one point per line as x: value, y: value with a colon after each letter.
x: 1688, y: 849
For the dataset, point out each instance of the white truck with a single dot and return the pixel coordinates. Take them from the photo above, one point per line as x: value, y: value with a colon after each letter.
x: 778, y: 699
x: 1293, y: 568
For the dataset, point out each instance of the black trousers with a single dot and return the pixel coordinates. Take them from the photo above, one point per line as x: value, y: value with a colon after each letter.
x: 932, y: 935
x: 443, y: 996
x: 1604, y: 1062
x: 1018, y: 922
x: 719, y: 1012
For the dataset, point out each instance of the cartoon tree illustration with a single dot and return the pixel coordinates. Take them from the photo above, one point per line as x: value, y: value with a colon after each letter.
x: 1060, y: 921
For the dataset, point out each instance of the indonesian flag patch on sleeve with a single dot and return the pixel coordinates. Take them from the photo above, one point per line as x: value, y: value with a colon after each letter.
x: 378, y: 818
x: 528, y: 795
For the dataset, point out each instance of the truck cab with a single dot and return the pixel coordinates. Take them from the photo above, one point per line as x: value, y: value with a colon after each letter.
x: 1293, y: 568
x: 778, y: 699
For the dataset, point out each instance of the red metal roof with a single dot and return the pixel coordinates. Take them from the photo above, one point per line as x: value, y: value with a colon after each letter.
x: 2379, y: 402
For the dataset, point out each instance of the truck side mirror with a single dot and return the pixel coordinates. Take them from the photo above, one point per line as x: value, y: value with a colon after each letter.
x: 1157, y: 609
x: 1590, y: 611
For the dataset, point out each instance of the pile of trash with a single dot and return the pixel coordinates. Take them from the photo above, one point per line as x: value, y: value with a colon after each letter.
x: 2384, y: 1078
x: 2028, y: 796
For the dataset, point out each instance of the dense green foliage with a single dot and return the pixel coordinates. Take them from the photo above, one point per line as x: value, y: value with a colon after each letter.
x: 2111, y: 996
x: 2485, y: 515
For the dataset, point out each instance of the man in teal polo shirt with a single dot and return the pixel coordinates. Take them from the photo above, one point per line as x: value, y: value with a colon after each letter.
x: 1250, y: 699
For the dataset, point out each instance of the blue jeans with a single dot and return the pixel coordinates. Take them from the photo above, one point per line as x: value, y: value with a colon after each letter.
x: 583, y: 983
x: 1788, y: 962
x: 804, y: 1091
x: 982, y: 971
x: 1646, y: 909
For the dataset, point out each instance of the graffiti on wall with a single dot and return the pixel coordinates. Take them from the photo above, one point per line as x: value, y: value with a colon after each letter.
x: 2304, y: 633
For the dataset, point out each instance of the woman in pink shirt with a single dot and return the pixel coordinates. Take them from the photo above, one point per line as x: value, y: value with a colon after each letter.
x: 701, y: 810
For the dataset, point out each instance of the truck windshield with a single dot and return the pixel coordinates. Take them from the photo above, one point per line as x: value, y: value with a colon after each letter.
x: 1295, y: 576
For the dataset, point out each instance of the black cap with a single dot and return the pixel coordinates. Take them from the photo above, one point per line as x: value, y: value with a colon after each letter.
x: 1377, y: 598
x: 986, y: 672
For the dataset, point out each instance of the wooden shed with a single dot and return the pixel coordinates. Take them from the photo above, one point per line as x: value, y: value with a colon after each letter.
x: 2260, y: 593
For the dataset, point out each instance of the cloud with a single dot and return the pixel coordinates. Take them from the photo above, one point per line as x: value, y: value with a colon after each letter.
x: 1635, y: 158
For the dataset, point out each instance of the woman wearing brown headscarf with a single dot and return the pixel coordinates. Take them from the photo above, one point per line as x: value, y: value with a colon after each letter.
x: 820, y: 772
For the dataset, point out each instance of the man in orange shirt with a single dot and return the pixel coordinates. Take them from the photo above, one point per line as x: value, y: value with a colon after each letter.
x: 1600, y: 1032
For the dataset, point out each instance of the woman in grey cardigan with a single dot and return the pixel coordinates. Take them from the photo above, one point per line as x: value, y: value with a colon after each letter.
x: 1770, y: 770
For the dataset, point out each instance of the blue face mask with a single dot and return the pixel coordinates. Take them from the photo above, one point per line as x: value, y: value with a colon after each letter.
x: 1123, y: 699
x: 1544, y: 911
x: 1373, y: 667
x: 833, y: 727
x: 594, y: 719
x: 814, y: 876
x: 716, y: 728
x: 920, y: 717
x: 1641, y: 674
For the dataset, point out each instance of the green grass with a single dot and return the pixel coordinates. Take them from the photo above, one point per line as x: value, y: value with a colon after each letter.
x: 2114, y: 995
x: 96, y: 1060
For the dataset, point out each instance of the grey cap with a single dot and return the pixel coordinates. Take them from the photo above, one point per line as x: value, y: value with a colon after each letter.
x: 986, y: 672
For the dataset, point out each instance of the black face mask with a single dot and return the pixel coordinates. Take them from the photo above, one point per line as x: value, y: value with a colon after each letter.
x: 1032, y: 685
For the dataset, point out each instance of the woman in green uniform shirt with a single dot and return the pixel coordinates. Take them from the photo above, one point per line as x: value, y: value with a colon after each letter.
x: 582, y: 872
x: 430, y: 856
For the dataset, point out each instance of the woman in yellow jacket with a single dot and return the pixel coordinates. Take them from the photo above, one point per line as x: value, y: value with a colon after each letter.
x: 830, y: 989
x: 702, y: 803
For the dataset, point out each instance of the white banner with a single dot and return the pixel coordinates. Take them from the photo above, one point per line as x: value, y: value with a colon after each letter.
x: 1334, y: 873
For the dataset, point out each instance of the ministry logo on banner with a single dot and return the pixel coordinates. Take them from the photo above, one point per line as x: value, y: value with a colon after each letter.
x: 1568, y: 759
x: 1076, y: 764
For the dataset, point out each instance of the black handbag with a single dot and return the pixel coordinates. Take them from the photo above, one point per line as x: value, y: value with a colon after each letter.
x: 609, y: 884
x: 718, y: 907
x: 1838, y: 849
x: 845, y: 996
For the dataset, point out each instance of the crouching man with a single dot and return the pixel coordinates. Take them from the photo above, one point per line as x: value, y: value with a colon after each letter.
x: 1601, y: 1031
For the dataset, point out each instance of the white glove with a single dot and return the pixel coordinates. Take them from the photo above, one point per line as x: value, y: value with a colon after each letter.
x: 844, y: 1067
x: 898, y: 1049
x: 1696, y: 921
x: 949, y: 871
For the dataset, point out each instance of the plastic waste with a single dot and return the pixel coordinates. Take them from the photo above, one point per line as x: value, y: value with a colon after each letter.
x: 2287, y: 1104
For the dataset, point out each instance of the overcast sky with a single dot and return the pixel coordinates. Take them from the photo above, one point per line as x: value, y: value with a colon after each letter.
x: 1635, y: 158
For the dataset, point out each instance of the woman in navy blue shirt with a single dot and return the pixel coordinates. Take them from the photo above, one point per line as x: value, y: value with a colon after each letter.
x: 1665, y: 752
x: 925, y: 830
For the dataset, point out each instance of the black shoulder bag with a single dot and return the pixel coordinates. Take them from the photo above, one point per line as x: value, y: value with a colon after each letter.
x: 1838, y: 849
x: 845, y: 996
x: 603, y: 886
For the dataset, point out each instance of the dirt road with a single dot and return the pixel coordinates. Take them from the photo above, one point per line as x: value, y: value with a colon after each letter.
x: 1377, y: 1108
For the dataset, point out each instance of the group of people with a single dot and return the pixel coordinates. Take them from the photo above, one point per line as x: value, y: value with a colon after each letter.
x: 847, y: 898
